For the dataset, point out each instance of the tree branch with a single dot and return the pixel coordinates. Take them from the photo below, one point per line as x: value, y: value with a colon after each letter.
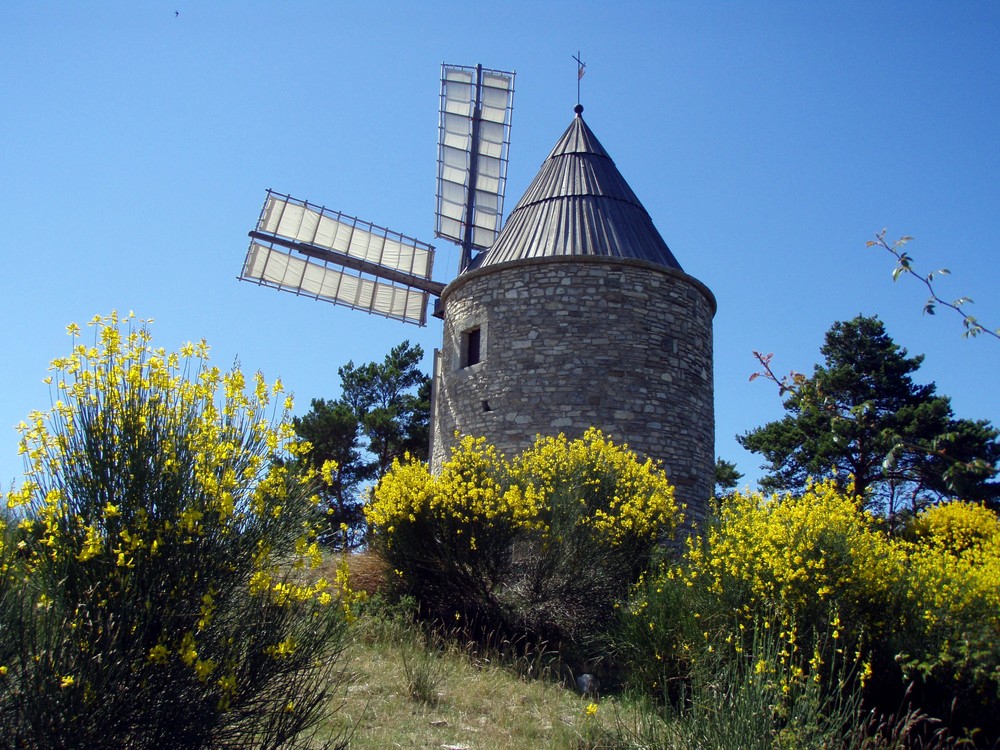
x: 790, y: 383
x: 904, y: 265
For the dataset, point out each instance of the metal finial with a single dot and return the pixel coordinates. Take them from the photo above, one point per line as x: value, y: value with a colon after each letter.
x: 581, y: 68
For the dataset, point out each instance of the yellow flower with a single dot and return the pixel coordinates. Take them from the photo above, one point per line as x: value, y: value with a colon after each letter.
x: 204, y: 668
x: 158, y: 654
x: 590, y: 710
x: 92, y: 545
x: 188, y: 652
x: 286, y: 648
x: 328, y: 472
x: 67, y: 681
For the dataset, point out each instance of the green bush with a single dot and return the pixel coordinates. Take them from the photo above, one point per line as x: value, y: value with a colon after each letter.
x: 922, y: 610
x: 752, y: 692
x: 544, y: 544
x: 157, y: 591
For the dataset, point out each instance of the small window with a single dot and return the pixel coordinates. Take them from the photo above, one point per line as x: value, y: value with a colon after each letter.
x: 471, y: 341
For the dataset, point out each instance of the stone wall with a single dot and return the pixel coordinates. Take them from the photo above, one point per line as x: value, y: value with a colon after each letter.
x: 567, y: 343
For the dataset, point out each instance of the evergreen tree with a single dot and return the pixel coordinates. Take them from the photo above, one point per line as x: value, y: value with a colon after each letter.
x: 861, y: 415
x: 382, y: 414
x: 334, y: 432
x: 726, y: 477
x: 391, y: 401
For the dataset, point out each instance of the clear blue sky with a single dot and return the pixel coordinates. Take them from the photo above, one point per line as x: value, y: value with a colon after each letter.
x: 768, y: 141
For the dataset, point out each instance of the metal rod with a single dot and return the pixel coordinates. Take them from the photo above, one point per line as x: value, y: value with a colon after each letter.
x: 470, y: 198
x: 581, y: 68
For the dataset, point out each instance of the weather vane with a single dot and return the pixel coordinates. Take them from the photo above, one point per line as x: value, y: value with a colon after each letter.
x: 581, y: 68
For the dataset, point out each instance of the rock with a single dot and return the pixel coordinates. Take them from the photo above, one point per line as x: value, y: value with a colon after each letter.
x: 587, y: 685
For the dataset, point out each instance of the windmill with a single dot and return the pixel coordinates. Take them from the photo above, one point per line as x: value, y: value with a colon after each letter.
x: 312, y: 251
x: 577, y: 313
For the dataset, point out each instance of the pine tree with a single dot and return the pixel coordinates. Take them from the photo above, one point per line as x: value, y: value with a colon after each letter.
x: 860, y: 415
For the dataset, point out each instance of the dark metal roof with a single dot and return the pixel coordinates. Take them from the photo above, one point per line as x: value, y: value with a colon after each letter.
x: 579, y: 204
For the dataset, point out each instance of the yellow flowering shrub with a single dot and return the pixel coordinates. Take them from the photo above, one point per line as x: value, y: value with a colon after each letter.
x: 836, y: 597
x: 815, y: 571
x: 545, y: 542
x: 349, y: 599
x: 956, y: 527
x: 801, y: 555
x: 619, y: 497
x: 9, y: 595
x: 164, y: 556
x: 953, y: 561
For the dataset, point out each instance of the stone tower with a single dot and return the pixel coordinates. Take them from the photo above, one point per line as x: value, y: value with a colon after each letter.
x: 580, y: 316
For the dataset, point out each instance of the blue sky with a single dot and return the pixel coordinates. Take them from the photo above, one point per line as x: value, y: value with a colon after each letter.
x: 768, y: 141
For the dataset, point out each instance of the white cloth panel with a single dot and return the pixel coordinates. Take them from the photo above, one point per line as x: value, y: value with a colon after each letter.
x: 456, y: 161
x: 459, y: 91
x: 491, y: 139
x: 453, y: 192
x: 483, y: 238
x: 489, y: 166
x: 457, y: 131
x: 452, y: 209
x: 300, y: 223
x: 495, y: 100
x: 487, y: 202
x: 275, y: 267
x: 449, y: 228
x: 488, y: 185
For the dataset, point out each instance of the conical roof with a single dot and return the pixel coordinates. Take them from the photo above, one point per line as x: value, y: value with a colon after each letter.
x: 579, y: 204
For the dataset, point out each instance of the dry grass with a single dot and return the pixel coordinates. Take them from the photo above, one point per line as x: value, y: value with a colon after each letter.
x: 473, y: 706
x: 367, y: 572
x: 405, y: 689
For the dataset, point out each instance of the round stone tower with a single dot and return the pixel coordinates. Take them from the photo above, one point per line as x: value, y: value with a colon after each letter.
x: 580, y: 316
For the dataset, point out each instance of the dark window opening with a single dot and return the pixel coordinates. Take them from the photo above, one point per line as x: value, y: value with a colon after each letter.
x: 471, y: 341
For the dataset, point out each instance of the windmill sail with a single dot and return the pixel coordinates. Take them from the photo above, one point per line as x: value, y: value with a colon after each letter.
x: 308, y: 250
x: 473, y: 143
x: 305, y: 249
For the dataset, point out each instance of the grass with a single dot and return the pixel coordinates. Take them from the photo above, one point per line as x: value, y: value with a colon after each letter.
x: 406, y: 693
x: 402, y: 692
x: 406, y: 687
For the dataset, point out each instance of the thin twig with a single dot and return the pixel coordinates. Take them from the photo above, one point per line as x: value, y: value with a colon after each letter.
x: 904, y: 265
